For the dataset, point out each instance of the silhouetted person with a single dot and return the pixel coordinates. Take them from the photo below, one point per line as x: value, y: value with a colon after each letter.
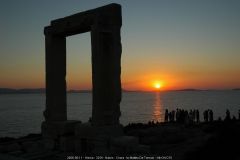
x: 197, y: 116
x: 228, y: 117
x: 190, y: 116
x: 166, y: 115
x: 194, y: 115
x: 234, y: 119
x: 173, y: 116
x: 177, y: 115
x: 239, y: 114
x: 153, y: 123
x: 170, y: 116
x: 210, y: 115
x: 219, y: 119
x: 205, y: 115
x: 182, y: 116
x: 90, y: 120
x: 186, y: 116
x: 149, y: 123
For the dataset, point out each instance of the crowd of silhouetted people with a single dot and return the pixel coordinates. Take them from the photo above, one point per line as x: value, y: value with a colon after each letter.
x: 193, y: 116
x: 181, y: 116
x: 228, y: 116
x: 208, y: 115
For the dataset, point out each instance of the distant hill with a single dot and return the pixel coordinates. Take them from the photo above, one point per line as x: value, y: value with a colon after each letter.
x: 79, y: 91
x: 189, y: 89
x: 14, y: 91
x: 236, y: 89
x: 34, y: 90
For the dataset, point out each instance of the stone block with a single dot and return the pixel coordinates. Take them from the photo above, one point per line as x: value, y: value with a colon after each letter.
x: 84, y: 136
x: 84, y: 145
x: 85, y: 130
x: 67, y: 143
x: 95, y: 138
x: 56, y: 129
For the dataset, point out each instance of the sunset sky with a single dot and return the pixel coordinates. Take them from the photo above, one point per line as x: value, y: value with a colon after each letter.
x: 178, y: 44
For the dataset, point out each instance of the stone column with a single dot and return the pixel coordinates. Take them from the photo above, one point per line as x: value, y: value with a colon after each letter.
x: 55, y: 78
x: 106, y: 72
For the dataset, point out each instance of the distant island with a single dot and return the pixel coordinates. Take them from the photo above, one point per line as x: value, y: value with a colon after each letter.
x: 24, y: 90
x: 236, y: 89
x: 42, y: 90
x: 34, y: 90
x: 189, y: 89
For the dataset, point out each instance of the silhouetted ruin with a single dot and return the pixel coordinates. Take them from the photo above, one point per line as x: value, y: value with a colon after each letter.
x: 104, y: 24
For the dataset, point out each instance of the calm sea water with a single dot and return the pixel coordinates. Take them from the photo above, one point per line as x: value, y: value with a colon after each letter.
x: 21, y: 114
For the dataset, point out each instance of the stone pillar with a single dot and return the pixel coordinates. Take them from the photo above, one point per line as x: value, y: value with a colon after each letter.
x: 106, y: 72
x: 55, y: 78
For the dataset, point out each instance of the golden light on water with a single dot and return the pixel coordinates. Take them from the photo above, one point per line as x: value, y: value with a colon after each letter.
x: 157, y: 115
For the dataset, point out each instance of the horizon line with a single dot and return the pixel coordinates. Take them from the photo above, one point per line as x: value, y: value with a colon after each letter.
x: 124, y: 90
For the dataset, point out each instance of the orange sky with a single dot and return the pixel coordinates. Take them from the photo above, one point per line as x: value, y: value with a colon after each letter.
x: 182, y: 45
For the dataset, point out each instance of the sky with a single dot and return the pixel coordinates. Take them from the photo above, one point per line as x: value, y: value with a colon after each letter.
x: 178, y: 44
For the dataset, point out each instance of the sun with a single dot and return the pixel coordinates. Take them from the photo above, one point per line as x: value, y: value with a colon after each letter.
x: 157, y: 85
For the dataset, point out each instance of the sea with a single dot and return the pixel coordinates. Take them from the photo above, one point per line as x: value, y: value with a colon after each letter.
x: 21, y: 114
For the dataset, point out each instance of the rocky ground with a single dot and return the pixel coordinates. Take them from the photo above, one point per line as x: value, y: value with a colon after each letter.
x: 26, y: 148
x: 216, y: 140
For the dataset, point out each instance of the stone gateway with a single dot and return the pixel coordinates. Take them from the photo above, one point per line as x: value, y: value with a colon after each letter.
x: 104, y: 24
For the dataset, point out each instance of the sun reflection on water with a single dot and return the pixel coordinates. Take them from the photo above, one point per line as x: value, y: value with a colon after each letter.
x: 158, y: 112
